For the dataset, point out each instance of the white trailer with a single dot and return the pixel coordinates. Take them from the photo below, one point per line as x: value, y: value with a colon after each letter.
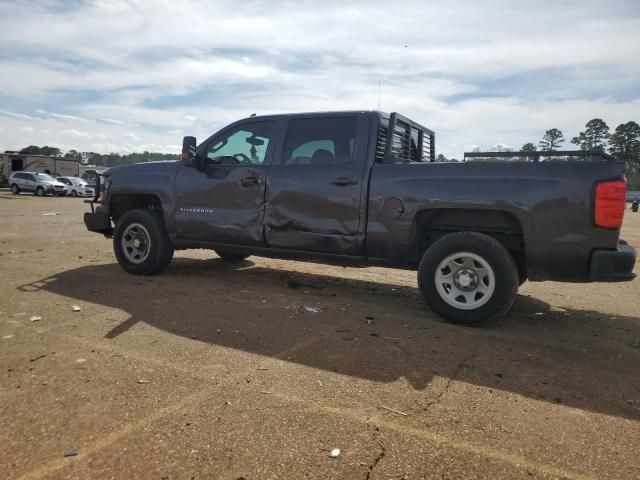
x: 56, y: 166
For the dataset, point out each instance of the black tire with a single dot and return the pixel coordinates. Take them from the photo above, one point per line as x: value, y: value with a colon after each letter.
x: 160, y: 248
x: 40, y: 192
x: 74, y: 193
x: 232, y: 256
x: 488, y: 249
x: 15, y: 189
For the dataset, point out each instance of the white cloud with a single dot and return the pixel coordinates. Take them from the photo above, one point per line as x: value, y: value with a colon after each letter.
x: 76, y: 133
x: 111, y: 120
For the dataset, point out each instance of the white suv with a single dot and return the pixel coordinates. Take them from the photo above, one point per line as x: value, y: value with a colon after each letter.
x: 39, y: 183
x: 76, y: 186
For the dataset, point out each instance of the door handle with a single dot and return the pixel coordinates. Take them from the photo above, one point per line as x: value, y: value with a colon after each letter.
x: 343, y: 181
x: 248, y: 181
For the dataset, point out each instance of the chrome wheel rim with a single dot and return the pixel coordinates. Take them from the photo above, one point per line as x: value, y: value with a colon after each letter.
x: 136, y: 243
x: 465, y: 280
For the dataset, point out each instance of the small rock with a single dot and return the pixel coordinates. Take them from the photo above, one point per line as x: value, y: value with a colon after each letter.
x: 37, y: 357
x: 72, y: 452
x: 218, y: 330
x: 36, y: 318
x: 49, y: 214
x: 75, y: 308
x: 7, y: 337
x: 311, y: 309
x: 143, y: 382
x: 81, y: 360
x: 334, y: 453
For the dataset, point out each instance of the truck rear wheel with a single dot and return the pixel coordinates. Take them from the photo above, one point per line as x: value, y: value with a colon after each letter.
x: 468, y: 278
x: 231, y: 256
x: 15, y: 189
x: 141, y: 243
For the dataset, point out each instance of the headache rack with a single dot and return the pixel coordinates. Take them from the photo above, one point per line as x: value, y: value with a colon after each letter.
x: 408, y: 142
x: 555, y: 156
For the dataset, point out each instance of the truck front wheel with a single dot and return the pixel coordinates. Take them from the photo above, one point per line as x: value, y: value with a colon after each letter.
x: 468, y: 278
x: 141, y: 243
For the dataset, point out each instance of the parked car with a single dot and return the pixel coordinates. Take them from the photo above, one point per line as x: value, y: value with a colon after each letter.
x: 40, y: 184
x: 76, y: 186
x: 363, y: 187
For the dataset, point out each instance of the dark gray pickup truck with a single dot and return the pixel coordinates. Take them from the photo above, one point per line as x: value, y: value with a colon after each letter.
x: 363, y: 187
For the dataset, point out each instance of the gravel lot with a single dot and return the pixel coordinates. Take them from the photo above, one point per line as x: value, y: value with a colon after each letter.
x: 219, y: 371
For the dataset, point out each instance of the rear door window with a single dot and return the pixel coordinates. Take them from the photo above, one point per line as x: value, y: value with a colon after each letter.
x: 321, y: 141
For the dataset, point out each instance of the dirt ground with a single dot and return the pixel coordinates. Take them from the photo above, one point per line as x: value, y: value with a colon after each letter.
x: 213, y: 370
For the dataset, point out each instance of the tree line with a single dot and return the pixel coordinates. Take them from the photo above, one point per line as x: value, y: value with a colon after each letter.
x: 623, y: 144
x: 99, y: 159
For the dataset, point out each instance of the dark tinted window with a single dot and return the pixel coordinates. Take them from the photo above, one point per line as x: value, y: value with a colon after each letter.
x: 320, y: 141
x: 244, y: 145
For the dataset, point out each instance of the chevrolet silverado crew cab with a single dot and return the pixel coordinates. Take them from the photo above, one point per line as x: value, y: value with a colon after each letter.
x: 363, y: 188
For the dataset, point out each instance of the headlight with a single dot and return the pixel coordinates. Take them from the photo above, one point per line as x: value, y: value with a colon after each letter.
x: 104, y: 186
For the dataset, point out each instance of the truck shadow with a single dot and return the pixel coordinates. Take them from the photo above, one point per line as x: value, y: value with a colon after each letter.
x: 375, y: 331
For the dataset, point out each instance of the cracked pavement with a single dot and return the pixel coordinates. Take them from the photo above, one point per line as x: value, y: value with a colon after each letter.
x: 214, y: 370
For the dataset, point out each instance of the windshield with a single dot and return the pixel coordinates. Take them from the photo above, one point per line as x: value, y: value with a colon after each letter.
x: 45, y: 177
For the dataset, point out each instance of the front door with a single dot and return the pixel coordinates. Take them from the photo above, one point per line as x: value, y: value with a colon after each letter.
x: 315, y: 187
x: 224, y: 203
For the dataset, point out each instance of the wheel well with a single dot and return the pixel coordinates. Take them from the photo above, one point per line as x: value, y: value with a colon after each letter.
x: 120, y: 204
x: 430, y: 225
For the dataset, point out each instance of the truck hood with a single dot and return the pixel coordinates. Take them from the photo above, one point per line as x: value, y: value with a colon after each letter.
x: 167, y: 167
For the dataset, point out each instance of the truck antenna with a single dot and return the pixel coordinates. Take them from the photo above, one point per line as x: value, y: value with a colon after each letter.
x: 378, y: 94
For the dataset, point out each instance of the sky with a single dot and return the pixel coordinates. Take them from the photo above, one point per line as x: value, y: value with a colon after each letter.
x: 124, y: 76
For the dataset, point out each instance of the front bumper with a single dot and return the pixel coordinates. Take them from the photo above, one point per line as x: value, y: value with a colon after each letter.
x: 613, y: 265
x: 98, y: 221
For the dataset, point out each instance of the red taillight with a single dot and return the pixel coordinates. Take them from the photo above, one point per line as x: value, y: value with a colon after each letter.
x: 609, y: 208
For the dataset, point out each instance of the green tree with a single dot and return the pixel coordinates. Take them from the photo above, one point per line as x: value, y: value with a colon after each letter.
x: 72, y: 154
x: 624, y: 144
x: 50, y: 151
x: 441, y: 158
x: 528, y: 147
x: 32, y: 150
x: 594, y: 137
x: 551, y: 140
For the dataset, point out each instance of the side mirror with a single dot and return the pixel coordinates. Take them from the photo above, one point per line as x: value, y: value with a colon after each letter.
x: 188, y: 156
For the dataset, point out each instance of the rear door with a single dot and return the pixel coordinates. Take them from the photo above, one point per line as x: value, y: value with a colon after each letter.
x: 315, y: 186
x: 29, y: 181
